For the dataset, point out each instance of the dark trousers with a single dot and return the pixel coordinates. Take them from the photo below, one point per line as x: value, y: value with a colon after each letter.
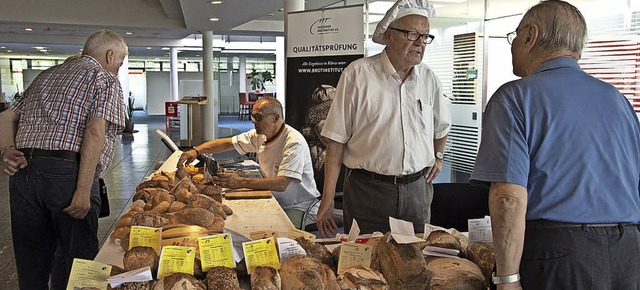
x: 45, y: 239
x: 372, y: 202
x: 602, y: 258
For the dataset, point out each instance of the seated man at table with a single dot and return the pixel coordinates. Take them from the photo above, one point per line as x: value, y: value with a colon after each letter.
x: 283, y: 156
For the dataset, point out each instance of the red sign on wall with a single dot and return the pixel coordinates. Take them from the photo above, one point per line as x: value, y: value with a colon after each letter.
x: 171, y: 109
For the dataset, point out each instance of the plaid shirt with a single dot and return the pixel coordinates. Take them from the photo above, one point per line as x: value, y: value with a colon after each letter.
x: 56, y: 107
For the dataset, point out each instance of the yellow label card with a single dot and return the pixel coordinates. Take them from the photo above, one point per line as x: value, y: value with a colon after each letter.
x: 216, y: 251
x: 87, y: 273
x: 145, y: 237
x: 296, y: 233
x: 352, y: 255
x: 261, y: 253
x: 258, y: 235
x: 176, y: 259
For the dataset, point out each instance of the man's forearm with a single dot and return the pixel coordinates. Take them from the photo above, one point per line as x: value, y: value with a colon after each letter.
x: 332, y: 164
x: 279, y: 183
x: 507, y: 205
x: 8, y: 128
x: 439, y: 144
x: 92, y: 147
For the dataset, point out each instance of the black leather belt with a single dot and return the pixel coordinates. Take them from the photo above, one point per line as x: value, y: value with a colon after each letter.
x: 64, y: 154
x: 547, y: 224
x: 401, y: 179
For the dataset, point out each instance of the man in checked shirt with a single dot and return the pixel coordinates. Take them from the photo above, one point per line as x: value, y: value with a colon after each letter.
x: 55, y: 141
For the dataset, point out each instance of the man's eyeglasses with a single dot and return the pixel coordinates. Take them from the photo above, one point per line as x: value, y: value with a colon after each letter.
x: 414, y: 35
x: 511, y: 36
x: 258, y: 117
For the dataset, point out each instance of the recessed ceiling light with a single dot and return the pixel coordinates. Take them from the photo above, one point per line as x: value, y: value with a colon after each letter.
x: 165, y: 48
x: 216, y: 2
x: 3, y: 47
x: 270, y: 14
x: 148, y: 47
x: 28, y: 29
x: 213, y: 19
x: 128, y: 33
x: 9, y: 50
x: 197, y: 55
x: 39, y: 47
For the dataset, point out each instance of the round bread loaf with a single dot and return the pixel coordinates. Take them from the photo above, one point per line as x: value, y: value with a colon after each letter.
x: 150, y: 219
x: 442, y: 239
x: 304, y: 272
x: 317, y: 251
x: 484, y: 256
x: 140, y: 257
x: 223, y: 278
x: 132, y: 286
x: 265, y: 278
x: 362, y: 278
x: 454, y: 274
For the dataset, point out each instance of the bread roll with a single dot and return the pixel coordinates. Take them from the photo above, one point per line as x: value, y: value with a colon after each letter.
x: 179, y: 281
x: 403, y: 265
x: 265, y: 278
x: 304, y: 272
x: 121, y: 233
x: 162, y: 207
x: 123, y: 222
x: 223, y: 278
x: 140, y: 257
x: 362, y: 278
x: 454, y: 274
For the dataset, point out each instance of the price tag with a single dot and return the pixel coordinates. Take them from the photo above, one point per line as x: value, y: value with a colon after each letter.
x: 258, y: 235
x: 288, y: 247
x: 216, y: 251
x: 145, y: 237
x: 87, y: 273
x: 296, y: 233
x: 176, y: 259
x: 261, y: 253
x: 352, y: 255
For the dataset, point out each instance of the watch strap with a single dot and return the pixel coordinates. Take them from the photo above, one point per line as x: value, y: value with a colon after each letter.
x: 504, y: 279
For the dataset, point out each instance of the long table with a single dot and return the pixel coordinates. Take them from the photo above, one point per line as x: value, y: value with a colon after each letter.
x: 249, y: 215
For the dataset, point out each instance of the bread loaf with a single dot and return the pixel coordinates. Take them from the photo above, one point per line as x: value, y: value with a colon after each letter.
x: 123, y: 222
x: 153, y: 183
x: 223, y: 278
x: 213, y: 191
x: 484, y: 256
x: 454, y: 274
x: 150, y: 219
x: 140, y: 257
x: 199, y: 217
x: 185, y: 183
x: 362, y: 278
x: 202, y: 201
x: 265, y: 278
x: 132, y: 286
x: 442, y: 239
x: 179, y: 281
x: 176, y: 206
x: 121, y: 233
x: 317, y: 251
x: 304, y: 272
x: 401, y: 264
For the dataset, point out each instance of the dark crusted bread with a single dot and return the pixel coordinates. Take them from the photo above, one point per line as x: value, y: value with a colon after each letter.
x: 223, y: 278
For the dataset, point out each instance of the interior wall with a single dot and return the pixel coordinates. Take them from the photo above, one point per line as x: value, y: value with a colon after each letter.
x: 158, y: 91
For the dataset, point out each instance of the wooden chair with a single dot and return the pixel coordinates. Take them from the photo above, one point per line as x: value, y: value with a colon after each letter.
x: 245, y: 106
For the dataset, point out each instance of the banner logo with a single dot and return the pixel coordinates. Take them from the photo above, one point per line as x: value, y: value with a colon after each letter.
x: 322, y: 26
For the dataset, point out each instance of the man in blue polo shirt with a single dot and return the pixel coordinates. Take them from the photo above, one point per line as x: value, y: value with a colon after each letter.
x: 561, y: 152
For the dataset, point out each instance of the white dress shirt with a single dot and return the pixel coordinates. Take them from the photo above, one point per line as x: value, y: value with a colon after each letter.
x: 388, y: 126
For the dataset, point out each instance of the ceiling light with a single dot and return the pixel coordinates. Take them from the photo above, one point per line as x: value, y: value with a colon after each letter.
x: 216, y: 2
x: 28, y: 29
x: 148, y: 47
x: 3, y: 47
x: 128, y: 33
x: 165, y: 48
x: 213, y: 19
x: 39, y: 47
x: 9, y: 50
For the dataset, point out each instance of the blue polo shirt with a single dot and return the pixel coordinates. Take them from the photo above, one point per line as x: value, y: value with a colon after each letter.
x: 572, y: 140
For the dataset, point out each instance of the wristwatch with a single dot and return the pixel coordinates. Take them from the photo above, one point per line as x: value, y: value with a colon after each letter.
x: 439, y: 155
x: 504, y: 279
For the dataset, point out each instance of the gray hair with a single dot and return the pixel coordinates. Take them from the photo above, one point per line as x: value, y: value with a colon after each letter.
x: 101, y: 41
x: 561, y: 26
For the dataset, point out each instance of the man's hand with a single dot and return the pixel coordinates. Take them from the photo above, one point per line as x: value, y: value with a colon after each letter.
x: 228, y: 179
x: 80, y: 205
x: 188, y: 157
x: 433, y: 172
x: 324, y: 219
x: 13, y: 160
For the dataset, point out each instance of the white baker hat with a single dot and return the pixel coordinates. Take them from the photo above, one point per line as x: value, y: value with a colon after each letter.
x: 401, y: 9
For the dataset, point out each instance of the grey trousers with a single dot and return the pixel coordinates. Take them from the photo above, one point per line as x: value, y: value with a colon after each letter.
x: 596, y: 258
x: 372, y: 202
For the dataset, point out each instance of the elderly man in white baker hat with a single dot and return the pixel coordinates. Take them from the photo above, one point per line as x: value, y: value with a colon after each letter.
x: 388, y: 124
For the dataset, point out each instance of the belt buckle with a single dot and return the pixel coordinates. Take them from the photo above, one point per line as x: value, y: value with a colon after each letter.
x: 395, y: 180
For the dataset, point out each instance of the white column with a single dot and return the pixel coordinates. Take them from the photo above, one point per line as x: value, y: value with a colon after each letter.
x: 173, y: 83
x: 123, y: 77
x: 242, y: 71
x: 280, y: 70
x: 210, y: 116
x: 289, y: 6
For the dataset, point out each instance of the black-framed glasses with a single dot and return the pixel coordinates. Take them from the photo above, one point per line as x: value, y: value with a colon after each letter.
x: 258, y: 117
x: 511, y: 36
x: 414, y: 35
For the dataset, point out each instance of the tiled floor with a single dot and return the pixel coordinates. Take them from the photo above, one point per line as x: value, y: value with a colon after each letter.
x: 137, y: 155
